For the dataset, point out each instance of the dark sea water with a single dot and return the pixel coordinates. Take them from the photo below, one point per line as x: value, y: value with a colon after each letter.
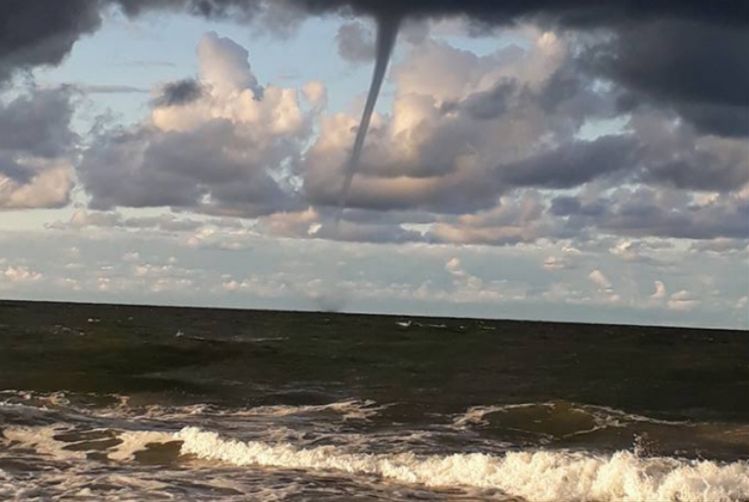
x: 141, y: 403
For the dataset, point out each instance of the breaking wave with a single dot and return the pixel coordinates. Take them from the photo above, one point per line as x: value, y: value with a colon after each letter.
x: 72, y: 440
x: 533, y: 475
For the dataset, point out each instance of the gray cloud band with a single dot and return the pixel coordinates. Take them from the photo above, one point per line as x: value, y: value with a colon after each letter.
x: 656, y: 47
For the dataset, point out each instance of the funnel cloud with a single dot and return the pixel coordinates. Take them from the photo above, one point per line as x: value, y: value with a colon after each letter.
x: 387, y: 33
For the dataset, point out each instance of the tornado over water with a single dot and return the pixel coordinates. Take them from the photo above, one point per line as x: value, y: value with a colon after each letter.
x: 387, y: 32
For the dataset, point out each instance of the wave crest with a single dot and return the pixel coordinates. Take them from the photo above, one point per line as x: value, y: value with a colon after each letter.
x: 533, y: 475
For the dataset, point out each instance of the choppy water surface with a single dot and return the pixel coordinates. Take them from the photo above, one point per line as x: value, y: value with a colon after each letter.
x: 106, y: 402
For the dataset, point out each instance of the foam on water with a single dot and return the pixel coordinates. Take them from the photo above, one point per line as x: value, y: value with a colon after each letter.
x: 42, y: 440
x: 534, y: 475
x: 538, y: 475
x: 349, y: 409
x: 203, y: 438
x: 135, y: 441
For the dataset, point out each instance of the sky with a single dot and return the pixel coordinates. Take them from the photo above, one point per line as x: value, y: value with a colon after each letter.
x: 527, y: 160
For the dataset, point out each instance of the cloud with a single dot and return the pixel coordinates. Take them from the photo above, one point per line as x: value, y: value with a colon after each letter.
x: 604, y: 286
x: 660, y: 291
x: 475, y: 150
x: 224, y: 65
x: 599, y: 279
x: 83, y: 219
x: 225, y: 151
x: 721, y: 246
x: 637, y: 251
x: 568, y: 12
x: 367, y: 232
x: 436, y: 152
x: 699, y: 69
x: 316, y: 94
x: 283, y: 273
x: 355, y: 43
x: 37, y: 123
x: 20, y: 273
x: 37, y: 146
x: 42, y: 33
x: 682, y: 301
x: 455, y: 268
x: 37, y: 34
x: 672, y: 153
x: 503, y: 148
x: 49, y: 188
x: 573, y: 164
x: 554, y: 263
x: 643, y: 211
x: 178, y: 93
x: 510, y: 222
x: 468, y: 288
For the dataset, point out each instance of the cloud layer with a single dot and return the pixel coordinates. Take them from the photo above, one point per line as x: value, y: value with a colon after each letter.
x: 512, y: 146
x: 488, y: 149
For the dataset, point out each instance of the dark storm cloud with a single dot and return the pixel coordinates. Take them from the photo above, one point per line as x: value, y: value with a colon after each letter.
x: 37, y: 32
x: 698, y: 69
x: 179, y: 93
x: 722, y: 120
x: 681, y: 61
x: 569, y: 12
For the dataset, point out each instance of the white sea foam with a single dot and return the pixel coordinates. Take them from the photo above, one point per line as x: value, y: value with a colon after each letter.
x: 44, y: 440
x: 533, y: 475
x: 41, y: 439
x: 122, y: 407
x: 352, y: 409
x: 347, y: 410
x: 476, y: 415
x: 602, y: 416
x: 538, y: 475
x: 135, y: 441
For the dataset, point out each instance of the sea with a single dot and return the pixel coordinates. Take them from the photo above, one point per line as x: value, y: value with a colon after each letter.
x: 107, y: 402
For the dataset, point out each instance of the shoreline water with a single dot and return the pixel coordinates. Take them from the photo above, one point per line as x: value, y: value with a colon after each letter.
x: 123, y: 402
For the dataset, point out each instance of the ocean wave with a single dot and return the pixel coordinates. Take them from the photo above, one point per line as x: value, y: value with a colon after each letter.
x: 533, y: 475
x: 121, y: 406
x: 572, y: 419
x: 347, y: 410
